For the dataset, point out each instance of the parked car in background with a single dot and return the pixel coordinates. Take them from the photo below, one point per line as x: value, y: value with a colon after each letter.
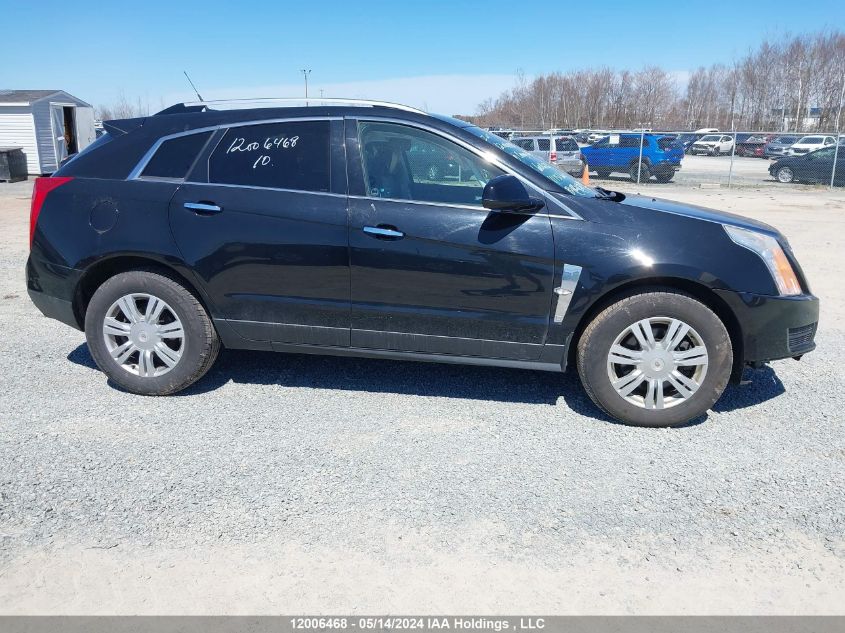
x: 687, y: 139
x: 582, y: 136
x: 303, y: 230
x: 713, y: 145
x: 808, y: 144
x: 566, y: 155
x: 754, y: 146
x: 707, y: 130
x: 778, y: 145
x: 661, y: 156
x: 813, y: 167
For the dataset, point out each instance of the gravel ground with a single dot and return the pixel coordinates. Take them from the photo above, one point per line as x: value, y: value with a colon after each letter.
x: 284, y: 484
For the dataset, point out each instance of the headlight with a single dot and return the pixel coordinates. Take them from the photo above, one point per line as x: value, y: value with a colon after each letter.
x: 771, y: 253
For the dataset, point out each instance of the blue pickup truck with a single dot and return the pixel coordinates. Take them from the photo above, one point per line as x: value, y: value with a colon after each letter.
x: 661, y: 156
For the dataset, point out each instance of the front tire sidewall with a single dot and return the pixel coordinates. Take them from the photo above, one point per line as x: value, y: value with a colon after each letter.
x: 200, y: 340
x: 597, y: 339
x: 788, y: 175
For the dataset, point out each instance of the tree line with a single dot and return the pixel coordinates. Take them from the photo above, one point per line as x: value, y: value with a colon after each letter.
x: 794, y: 83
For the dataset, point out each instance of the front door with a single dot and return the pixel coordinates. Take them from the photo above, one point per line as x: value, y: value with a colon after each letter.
x: 432, y: 271
x: 264, y: 226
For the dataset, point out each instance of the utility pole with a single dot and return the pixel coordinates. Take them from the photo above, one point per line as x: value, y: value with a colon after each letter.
x: 321, y: 93
x: 838, y: 140
x: 305, y: 72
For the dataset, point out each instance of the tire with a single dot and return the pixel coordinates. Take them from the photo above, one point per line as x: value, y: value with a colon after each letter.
x: 644, y: 173
x: 613, y: 328
x: 166, y: 345
x: 785, y: 175
x: 665, y: 177
x: 434, y: 172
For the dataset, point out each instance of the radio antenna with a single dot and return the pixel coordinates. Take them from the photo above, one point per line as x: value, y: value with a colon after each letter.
x: 199, y: 96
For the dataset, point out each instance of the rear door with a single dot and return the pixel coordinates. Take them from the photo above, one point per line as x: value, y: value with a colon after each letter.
x: 432, y: 271
x: 262, y: 222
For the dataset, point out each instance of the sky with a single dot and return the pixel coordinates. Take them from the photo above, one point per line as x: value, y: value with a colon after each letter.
x: 444, y: 57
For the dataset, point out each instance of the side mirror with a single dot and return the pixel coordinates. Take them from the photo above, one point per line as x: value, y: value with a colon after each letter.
x: 507, y: 193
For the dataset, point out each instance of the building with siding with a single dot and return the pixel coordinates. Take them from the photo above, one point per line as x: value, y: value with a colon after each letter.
x: 48, y: 124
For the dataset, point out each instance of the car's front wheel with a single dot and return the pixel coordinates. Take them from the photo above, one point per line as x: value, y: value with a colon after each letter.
x: 785, y: 174
x: 149, y: 334
x: 655, y: 359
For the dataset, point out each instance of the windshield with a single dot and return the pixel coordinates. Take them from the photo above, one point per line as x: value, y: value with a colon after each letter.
x: 785, y: 139
x: 711, y: 137
x: 810, y: 140
x: 563, y: 180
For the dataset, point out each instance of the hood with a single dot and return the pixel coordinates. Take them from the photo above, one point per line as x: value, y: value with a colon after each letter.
x: 697, y: 213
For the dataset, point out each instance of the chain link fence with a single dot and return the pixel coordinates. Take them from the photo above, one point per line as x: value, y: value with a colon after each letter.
x: 704, y: 157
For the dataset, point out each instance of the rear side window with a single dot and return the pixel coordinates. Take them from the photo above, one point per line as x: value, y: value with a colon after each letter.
x: 174, y: 157
x: 289, y: 155
x: 543, y: 144
x: 632, y: 141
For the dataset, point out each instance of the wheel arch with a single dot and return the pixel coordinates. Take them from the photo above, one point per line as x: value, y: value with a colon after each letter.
x: 694, y: 289
x: 104, y: 269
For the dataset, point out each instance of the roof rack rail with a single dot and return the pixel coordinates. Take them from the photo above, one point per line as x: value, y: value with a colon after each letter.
x: 271, y: 102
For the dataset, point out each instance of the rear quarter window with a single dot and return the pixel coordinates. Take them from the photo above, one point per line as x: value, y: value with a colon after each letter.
x: 174, y: 157
x: 289, y: 155
x: 566, y: 145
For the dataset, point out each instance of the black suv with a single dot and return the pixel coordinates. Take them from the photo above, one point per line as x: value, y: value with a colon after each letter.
x: 311, y: 229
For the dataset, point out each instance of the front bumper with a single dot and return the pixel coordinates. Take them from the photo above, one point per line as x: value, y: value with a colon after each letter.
x: 774, y: 327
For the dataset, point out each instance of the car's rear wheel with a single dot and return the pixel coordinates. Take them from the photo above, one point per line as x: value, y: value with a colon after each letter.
x: 149, y: 334
x: 785, y: 174
x: 655, y: 359
x: 643, y: 172
x: 664, y: 177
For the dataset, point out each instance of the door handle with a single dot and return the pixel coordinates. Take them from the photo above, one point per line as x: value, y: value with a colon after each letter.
x: 203, y: 207
x: 384, y: 232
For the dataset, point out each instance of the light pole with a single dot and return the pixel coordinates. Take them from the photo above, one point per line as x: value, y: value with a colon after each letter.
x: 305, y: 72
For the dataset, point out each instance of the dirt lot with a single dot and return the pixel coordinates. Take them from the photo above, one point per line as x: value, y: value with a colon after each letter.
x: 287, y: 484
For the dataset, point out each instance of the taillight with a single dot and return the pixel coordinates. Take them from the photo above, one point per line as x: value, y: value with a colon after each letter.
x: 42, y: 187
x: 552, y: 156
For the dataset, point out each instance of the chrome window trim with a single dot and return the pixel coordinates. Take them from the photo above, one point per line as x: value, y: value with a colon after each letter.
x: 302, y: 191
x: 135, y: 174
x: 493, y: 160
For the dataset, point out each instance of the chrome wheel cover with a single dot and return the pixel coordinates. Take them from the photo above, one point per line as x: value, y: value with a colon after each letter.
x: 785, y: 174
x: 657, y: 363
x: 143, y: 335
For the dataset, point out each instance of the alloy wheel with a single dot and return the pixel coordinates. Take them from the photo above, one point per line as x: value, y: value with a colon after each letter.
x: 657, y: 363
x: 143, y: 334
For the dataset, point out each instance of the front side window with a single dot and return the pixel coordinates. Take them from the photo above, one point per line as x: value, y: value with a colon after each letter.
x: 286, y: 155
x: 406, y: 163
x: 175, y: 156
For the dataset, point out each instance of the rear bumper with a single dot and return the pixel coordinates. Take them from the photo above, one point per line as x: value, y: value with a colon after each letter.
x: 51, y: 288
x: 774, y: 327
x: 665, y: 167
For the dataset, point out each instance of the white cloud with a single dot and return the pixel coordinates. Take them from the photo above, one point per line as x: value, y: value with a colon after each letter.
x: 443, y: 94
